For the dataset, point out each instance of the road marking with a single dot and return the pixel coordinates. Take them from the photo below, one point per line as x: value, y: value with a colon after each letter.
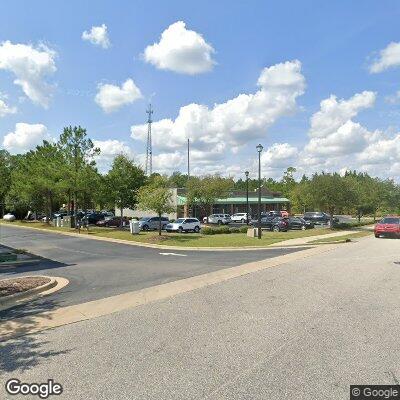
x: 173, y: 254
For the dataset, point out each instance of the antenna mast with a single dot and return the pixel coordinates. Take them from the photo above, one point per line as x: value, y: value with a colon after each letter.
x: 149, y: 151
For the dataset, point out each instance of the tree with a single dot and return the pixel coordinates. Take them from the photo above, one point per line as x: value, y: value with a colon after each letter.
x: 331, y: 192
x: 37, y: 179
x: 79, y: 152
x: 156, y: 196
x: 123, y: 182
x: 178, y: 180
x: 5, y: 178
x: 205, y: 191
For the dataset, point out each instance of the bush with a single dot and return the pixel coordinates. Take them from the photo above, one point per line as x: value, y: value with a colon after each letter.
x: 243, y: 229
x: 234, y: 230
x: 208, y: 230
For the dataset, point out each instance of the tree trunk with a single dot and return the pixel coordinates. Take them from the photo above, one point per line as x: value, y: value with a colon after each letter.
x: 122, y: 215
x: 159, y: 225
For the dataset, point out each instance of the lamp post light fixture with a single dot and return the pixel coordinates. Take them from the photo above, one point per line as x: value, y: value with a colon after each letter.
x: 259, y: 149
x: 247, y: 197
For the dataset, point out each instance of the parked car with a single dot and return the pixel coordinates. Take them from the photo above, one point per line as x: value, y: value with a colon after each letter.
x: 319, y: 217
x: 93, y: 218
x: 220, y: 219
x: 184, y: 225
x: 113, y: 222
x: 240, y: 217
x: 273, y: 223
x: 152, y: 223
x: 388, y: 226
x: 9, y: 217
x: 299, y: 223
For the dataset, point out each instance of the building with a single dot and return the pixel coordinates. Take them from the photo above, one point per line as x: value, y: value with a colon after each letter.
x: 235, y: 202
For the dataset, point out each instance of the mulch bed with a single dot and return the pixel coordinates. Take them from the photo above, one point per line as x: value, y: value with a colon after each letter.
x: 17, y: 285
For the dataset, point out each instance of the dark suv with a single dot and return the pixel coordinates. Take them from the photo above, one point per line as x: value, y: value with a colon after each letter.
x: 272, y: 223
x: 317, y: 217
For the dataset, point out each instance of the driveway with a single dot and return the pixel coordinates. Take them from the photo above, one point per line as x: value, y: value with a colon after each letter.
x: 98, y: 269
x: 305, y: 330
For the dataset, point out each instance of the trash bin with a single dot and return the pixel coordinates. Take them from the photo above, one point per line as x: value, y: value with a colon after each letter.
x: 134, y: 227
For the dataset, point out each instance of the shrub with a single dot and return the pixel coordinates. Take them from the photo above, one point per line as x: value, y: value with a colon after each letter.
x: 243, y: 229
x: 234, y: 230
x: 207, y: 230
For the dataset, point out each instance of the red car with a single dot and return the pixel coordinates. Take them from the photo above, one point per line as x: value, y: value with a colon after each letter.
x: 388, y: 226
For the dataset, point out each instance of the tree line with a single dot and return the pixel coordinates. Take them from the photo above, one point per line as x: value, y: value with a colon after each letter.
x: 65, y: 174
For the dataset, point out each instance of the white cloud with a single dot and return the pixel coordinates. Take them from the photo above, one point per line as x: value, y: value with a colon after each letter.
x: 111, y: 97
x: 393, y: 99
x: 221, y: 130
x: 5, y: 109
x: 384, y: 151
x: 279, y: 155
x: 181, y: 50
x: 30, y: 66
x: 388, y: 57
x: 25, y: 137
x: 108, y: 150
x: 98, y: 36
x: 332, y: 131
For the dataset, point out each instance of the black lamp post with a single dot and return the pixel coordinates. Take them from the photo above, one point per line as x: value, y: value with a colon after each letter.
x: 259, y: 149
x: 247, y: 196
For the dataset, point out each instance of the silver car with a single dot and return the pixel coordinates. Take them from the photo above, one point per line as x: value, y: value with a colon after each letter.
x: 220, y: 219
x: 152, y: 223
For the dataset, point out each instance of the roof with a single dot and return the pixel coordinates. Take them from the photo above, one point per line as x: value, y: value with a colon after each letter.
x: 242, y: 200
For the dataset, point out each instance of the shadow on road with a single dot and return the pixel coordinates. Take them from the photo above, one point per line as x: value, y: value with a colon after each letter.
x: 25, y: 351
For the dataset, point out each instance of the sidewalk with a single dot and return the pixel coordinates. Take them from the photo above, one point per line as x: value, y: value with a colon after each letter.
x: 308, y: 239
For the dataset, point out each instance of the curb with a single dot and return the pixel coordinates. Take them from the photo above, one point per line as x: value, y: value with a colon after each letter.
x: 14, y: 299
x: 161, y: 247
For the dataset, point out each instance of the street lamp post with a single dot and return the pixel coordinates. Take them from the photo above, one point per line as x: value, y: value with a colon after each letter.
x: 259, y: 149
x: 247, y: 197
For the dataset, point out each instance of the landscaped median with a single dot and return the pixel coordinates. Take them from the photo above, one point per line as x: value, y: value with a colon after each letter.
x: 199, y: 240
x: 16, y: 290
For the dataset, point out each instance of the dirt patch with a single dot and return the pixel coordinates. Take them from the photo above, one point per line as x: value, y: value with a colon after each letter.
x: 17, y: 285
x: 157, y: 239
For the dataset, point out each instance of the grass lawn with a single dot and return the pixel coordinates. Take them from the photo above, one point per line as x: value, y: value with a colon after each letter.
x: 342, y: 238
x: 185, y: 239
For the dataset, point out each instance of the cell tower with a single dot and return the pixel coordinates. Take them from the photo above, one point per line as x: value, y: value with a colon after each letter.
x: 149, y: 151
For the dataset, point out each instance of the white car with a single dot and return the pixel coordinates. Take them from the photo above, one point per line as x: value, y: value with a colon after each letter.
x: 220, y: 219
x: 9, y: 217
x: 184, y: 225
x: 240, y: 217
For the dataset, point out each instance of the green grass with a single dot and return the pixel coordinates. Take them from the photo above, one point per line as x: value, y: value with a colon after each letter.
x: 341, y: 238
x: 185, y: 239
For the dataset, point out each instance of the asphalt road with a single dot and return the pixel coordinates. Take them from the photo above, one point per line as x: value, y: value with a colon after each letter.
x: 98, y: 269
x: 305, y: 330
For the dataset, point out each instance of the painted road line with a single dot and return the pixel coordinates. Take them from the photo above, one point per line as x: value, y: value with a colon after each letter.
x: 173, y: 254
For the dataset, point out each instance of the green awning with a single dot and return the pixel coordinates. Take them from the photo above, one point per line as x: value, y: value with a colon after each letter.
x: 242, y: 200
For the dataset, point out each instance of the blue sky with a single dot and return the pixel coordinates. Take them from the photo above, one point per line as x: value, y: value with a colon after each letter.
x: 335, y: 45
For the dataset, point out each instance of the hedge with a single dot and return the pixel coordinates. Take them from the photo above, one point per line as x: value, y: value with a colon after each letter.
x: 209, y: 230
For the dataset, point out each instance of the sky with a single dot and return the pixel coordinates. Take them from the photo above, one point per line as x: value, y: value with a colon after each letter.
x: 317, y: 83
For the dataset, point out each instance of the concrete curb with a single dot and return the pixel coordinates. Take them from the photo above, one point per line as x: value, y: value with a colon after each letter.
x: 181, y: 248
x: 13, y: 299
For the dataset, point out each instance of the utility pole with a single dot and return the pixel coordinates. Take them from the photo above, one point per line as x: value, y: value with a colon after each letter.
x: 188, y: 176
x: 149, y: 150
